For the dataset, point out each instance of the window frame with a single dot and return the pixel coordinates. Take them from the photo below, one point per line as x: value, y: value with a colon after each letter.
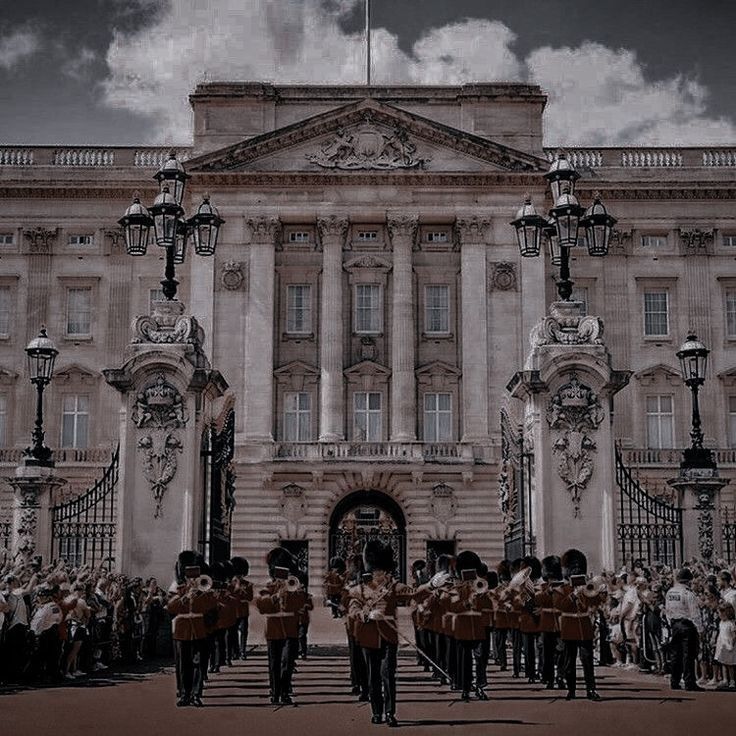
x: 729, y: 294
x: 307, y: 330
x: 731, y: 420
x: 90, y: 235
x: 78, y: 335
x: 447, y: 307
x: 659, y: 414
x: 368, y: 413
x: 379, y: 308
x: 668, y: 312
x: 435, y: 415
x: 298, y: 414
x: 662, y: 237
x: 76, y: 413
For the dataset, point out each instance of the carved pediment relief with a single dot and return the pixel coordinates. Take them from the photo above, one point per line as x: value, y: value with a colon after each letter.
x: 296, y: 375
x: 658, y: 373
x: 438, y: 374
x: 75, y: 374
x: 728, y: 377
x: 368, y: 261
x: 7, y: 377
x: 367, y: 375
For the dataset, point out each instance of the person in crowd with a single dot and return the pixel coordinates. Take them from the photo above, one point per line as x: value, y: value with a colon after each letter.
x: 725, y: 650
x: 683, y: 612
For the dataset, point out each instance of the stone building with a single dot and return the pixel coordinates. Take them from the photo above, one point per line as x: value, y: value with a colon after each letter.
x: 367, y: 303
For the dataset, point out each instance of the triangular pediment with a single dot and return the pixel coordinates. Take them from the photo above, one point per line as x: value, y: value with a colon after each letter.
x: 438, y: 368
x: 75, y: 373
x: 297, y: 366
x: 367, y: 368
x: 658, y: 371
x: 367, y: 136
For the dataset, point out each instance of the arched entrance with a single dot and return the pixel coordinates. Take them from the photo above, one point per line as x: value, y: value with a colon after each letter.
x: 365, y: 515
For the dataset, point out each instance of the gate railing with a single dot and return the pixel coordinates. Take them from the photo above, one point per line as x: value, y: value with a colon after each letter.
x: 648, y: 528
x: 83, y: 529
x: 728, y: 536
x: 6, y: 527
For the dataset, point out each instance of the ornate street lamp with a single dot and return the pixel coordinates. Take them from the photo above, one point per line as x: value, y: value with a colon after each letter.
x: 171, y: 230
x: 566, y: 219
x: 693, y: 356
x: 41, y: 353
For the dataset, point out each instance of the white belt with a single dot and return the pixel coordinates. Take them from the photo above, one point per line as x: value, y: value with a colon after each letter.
x: 281, y: 613
x: 190, y: 615
x: 575, y: 615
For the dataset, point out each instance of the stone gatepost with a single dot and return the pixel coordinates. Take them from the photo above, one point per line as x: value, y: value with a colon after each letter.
x: 33, y: 487
x: 168, y: 397
x: 567, y: 388
x: 699, y: 496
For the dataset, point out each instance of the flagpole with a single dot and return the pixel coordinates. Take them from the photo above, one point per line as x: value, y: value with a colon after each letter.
x: 368, y: 42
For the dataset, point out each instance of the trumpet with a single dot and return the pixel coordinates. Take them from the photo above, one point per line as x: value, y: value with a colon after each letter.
x: 292, y: 584
x: 202, y: 584
x: 480, y: 586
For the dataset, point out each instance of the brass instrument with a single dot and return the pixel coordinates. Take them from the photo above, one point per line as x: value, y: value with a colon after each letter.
x: 292, y: 584
x: 522, y: 585
x: 480, y: 586
x: 203, y: 584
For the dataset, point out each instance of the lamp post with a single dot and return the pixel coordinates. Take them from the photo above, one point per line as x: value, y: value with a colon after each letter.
x: 693, y: 357
x: 41, y: 353
x: 171, y: 229
x: 566, y: 218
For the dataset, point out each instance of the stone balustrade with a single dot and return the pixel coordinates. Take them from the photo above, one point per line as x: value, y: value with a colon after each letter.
x: 85, y: 156
x: 642, y: 457
x: 68, y: 456
x: 644, y: 157
x: 445, y: 452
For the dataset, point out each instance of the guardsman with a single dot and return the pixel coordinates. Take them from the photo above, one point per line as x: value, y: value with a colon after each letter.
x: 373, y: 604
x: 419, y: 578
x: 486, y: 605
x: 242, y: 590
x: 549, y: 624
x: 683, y: 613
x: 513, y: 617
x: 529, y: 621
x: 190, y: 603
x: 333, y: 586
x: 501, y: 617
x: 577, y: 604
x: 430, y: 609
x: 448, y: 645
x: 280, y: 601
x: 227, y: 612
x: 358, y: 665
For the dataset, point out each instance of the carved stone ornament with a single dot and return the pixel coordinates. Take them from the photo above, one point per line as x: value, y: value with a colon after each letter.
x: 503, y: 276
x: 403, y: 226
x: 696, y: 241
x: 443, y: 505
x: 566, y: 326
x: 233, y: 276
x: 167, y: 325
x: 293, y: 503
x: 159, y: 409
x: 368, y: 349
x: 264, y: 229
x: 574, y: 411
x: 332, y: 227
x: 705, y: 509
x: 40, y: 239
x: 368, y: 147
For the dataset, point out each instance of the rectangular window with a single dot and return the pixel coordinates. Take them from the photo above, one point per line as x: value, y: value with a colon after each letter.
x: 732, y: 421
x: 6, y: 310
x: 731, y: 314
x: 75, y: 421
x: 656, y: 313
x: 297, y: 417
x: 437, y: 417
x: 78, y: 311
x: 653, y: 241
x: 299, y: 308
x: 436, y: 236
x: 660, y: 422
x: 580, y: 294
x: 7, y: 238
x: 367, y: 422
x: 299, y: 236
x: 154, y: 295
x: 368, y: 236
x: 437, y: 308
x: 367, y: 308
x: 729, y: 241
x: 3, y: 419
x: 81, y: 239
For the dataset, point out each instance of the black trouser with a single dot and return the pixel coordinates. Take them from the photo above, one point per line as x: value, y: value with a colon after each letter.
x: 441, y: 645
x: 465, y: 656
x: 382, y: 678
x: 13, y: 655
x: 209, y: 646
x: 684, y: 645
x: 549, y: 658
x: 233, y: 645
x: 218, y: 655
x: 499, y: 642
x: 530, y: 655
x: 451, y: 659
x: 586, y: 660
x: 280, y: 666
x: 243, y: 636
x: 516, y: 649
x: 481, y: 654
x: 188, y: 656
x: 48, y: 654
x: 358, y: 667
x: 303, y: 632
x: 334, y: 603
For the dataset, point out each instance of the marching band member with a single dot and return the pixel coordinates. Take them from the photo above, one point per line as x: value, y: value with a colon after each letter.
x: 529, y: 621
x: 280, y: 601
x: 419, y: 578
x: 513, y: 615
x: 358, y: 665
x: 333, y: 585
x: 373, y: 605
x: 431, y: 606
x: 486, y: 603
x: 191, y: 603
x: 501, y: 618
x: 549, y: 624
x: 242, y: 590
x: 576, y: 604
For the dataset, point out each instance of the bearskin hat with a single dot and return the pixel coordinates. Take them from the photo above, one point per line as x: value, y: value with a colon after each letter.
x: 241, y: 566
x: 337, y: 563
x: 515, y: 565
x: 279, y: 557
x: 504, y: 571
x: 492, y: 578
x: 534, y: 565
x: 419, y: 565
x: 574, y: 562
x: 218, y: 572
x: 187, y: 558
x: 444, y: 563
x: 467, y: 560
x: 377, y: 556
x: 483, y: 570
x: 551, y: 568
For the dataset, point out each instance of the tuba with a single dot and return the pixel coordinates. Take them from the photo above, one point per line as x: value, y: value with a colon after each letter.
x: 203, y: 584
x: 480, y: 586
x: 522, y: 585
x: 292, y: 584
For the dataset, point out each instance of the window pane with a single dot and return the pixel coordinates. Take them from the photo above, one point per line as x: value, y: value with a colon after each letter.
x: 3, y: 419
x: 374, y: 427
x: 298, y: 308
x: 82, y: 425
x: 5, y: 310
x: 367, y: 314
x: 731, y: 313
x: 444, y: 402
x: 665, y: 404
x: 445, y: 427
x: 374, y: 400
x: 437, y: 308
x: 732, y: 421
x: 655, y: 313
x: 360, y: 401
x: 78, y: 311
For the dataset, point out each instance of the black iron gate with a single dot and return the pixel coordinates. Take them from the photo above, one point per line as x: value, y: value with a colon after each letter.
x: 728, y: 536
x: 218, y: 450
x: 648, y: 528
x: 83, y: 529
x: 515, y: 492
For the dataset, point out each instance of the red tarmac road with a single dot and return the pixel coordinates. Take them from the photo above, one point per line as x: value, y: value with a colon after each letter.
x: 236, y: 702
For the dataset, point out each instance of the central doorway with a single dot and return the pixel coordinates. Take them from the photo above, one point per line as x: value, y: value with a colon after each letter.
x: 366, y: 515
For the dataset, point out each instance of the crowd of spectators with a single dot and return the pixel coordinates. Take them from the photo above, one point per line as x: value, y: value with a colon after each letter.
x: 634, y: 632
x: 60, y: 622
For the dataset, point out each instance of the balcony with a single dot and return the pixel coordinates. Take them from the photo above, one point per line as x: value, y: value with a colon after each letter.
x: 646, y: 457
x: 388, y: 452
x: 648, y: 157
x: 67, y: 456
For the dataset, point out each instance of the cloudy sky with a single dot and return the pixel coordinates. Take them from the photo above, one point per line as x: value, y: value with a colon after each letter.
x: 654, y: 72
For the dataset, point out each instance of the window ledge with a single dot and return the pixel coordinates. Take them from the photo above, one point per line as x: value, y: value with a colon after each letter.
x: 648, y: 339
x: 368, y: 334
x: 437, y: 336
x: 297, y: 336
x: 77, y: 338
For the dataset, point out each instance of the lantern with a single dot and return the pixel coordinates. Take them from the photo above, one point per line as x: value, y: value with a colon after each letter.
x: 172, y: 175
x: 529, y: 225
x: 553, y: 243
x: 136, y: 224
x: 561, y: 172
x: 205, y: 226
x: 180, y: 245
x: 598, y: 225
x: 693, y: 357
x: 41, y: 353
x: 566, y: 215
x: 166, y: 215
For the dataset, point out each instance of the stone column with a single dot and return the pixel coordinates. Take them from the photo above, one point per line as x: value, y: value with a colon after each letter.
x: 403, y: 231
x: 33, y: 486
x: 474, y: 310
x: 567, y: 388
x: 259, y: 330
x: 332, y: 232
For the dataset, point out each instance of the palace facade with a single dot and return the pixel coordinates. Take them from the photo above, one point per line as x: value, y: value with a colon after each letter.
x: 367, y: 303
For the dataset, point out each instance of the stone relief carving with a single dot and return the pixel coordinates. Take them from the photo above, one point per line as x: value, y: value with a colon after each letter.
x: 27, y: 524
x: 233, y: 275
x: 705, y: 509
x: 368, y: 349
x: 565, y: 326
x: 332, y: 227
x: 368, y: 147
x: 293, y: 502
x: 503, y: 276
x: 160, y: 410
x: 167, y: 325
x: 403, y: 226
x: 575, y: 410
x: 40, y: 238
x: 443, y: 504
x: 695, y: 241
